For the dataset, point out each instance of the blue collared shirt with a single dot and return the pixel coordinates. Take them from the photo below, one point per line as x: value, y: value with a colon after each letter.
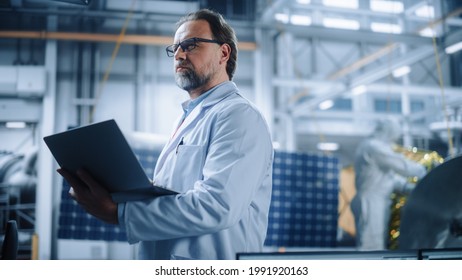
x: 189, y: 105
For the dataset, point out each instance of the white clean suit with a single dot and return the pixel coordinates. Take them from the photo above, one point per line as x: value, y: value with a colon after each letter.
x: 379, y: 171
x: 220, y: 161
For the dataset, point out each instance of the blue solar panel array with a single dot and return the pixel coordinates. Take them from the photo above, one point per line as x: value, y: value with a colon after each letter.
x: 75, y: 223
x: 303, y: 209
x: 304, y: 205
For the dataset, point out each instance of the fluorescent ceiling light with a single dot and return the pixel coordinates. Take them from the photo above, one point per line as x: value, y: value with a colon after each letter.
x: 359, y: 90
x: 300, y: 20
x: 425, y: 11
x: 386, y: 27
x: 350, y: 4
x: 341, y: 23
x: 284, y: 18
x: 454, y: 48
x: 15, y: 124
x: 326, y: 104
x: 427, y: 32
x: 393, y: 7
x: 305, y: 2
x: 328, y: 146
x: 399, y: 72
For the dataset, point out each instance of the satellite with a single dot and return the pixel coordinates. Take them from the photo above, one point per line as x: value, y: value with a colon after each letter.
x: 432, y: 215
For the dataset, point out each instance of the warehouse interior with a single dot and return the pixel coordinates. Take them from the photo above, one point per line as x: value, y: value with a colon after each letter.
x: 322, y: 72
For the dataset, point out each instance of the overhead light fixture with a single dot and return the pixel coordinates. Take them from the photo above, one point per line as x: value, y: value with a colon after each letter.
x: 427, y: 32
x: 386, y: 27
x: 341, y: 23
x: 284, y: 18
x: 453, y: 48
x: 300, y: 20
x: 425, y: 11
x: 359, y: 90
x: 328, y: 146
x: 399, y: 72
x: 349, y: 4
x: 393, y: 7
x: 326, y: 104
x: 304, y: 2
x: 15, y: 125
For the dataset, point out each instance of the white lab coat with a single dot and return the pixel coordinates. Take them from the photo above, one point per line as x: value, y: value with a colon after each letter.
x: 379, y: 171
x: 223, y: 172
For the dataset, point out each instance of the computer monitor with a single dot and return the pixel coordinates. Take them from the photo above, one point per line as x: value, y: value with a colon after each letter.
x: 332, y: 255
x: 441, y: 254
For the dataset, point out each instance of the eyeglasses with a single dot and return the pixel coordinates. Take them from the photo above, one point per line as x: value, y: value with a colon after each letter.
x: 188, y: 45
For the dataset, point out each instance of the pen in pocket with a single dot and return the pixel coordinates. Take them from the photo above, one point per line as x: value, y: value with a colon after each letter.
x: 179, y: 144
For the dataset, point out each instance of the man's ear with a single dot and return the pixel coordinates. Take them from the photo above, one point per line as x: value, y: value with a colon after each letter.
x: 225, y: 53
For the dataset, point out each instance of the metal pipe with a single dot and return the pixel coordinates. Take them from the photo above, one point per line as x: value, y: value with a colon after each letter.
x: 108, y: 38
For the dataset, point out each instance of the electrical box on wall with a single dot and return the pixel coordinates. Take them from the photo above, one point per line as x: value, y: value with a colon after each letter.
x: 31, y: 81
x: 22, y: 81
x: 8, y: 79
x: 16, y: 109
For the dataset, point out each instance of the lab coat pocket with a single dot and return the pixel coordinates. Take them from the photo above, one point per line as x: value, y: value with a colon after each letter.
x: 188, y: 166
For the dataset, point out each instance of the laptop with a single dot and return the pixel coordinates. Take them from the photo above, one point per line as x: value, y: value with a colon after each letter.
x: 102, y: 149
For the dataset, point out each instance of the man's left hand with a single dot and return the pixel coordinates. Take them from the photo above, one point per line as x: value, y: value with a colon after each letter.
x: 91, y: 195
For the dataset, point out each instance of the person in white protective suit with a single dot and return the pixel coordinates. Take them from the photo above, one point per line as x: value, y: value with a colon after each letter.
x: 219, y: 160
x: 379, y: 170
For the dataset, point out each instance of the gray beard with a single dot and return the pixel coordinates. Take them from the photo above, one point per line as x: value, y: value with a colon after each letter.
x: 189, y: 80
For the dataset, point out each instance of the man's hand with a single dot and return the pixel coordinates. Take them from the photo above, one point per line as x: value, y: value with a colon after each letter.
x: 91, y: 195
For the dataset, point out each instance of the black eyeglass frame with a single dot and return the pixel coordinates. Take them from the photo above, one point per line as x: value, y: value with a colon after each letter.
x: 191, y: 45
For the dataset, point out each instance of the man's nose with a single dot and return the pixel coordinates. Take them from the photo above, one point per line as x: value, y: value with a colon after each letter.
x: 180, y: 54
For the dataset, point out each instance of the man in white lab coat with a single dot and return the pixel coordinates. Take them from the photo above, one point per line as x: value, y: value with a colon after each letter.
x: 219, y: 160
x: 379, y: 171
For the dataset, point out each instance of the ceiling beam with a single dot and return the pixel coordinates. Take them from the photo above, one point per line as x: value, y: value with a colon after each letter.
x: 108, y: 38
x: 372, y: 88
x: 363, y: 61
x: 364, y: 79
x: 365, y: 36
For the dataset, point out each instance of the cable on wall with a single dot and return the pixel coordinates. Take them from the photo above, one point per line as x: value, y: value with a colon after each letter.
x: 111, y: 62
x: 441, y: 86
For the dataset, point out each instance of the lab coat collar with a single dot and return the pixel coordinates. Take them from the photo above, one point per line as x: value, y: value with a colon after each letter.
x: 217, y: 94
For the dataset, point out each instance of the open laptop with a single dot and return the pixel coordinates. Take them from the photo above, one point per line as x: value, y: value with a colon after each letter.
x: 102, y: 149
